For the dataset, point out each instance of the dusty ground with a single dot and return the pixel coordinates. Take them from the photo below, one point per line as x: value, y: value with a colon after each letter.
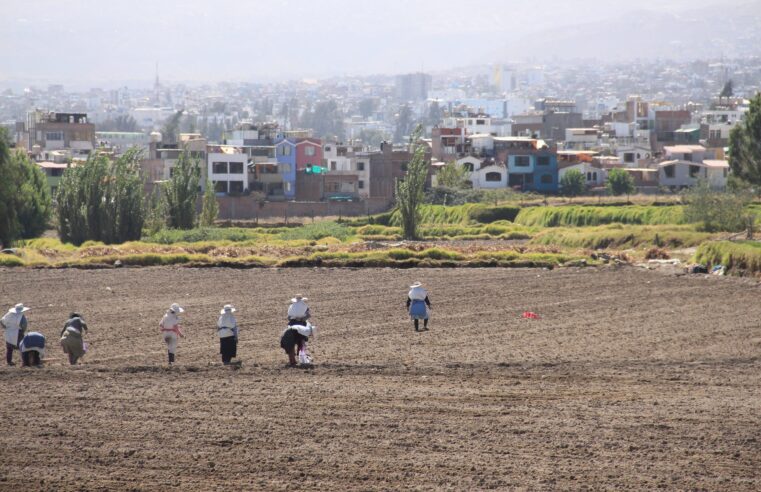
x: 631, y: 380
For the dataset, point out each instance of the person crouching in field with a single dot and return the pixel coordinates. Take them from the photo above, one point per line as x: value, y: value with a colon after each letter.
x: 291, y: 340
x: 298, y: 311
x: 171, y: 329
x: 14, y: 323
x: 72, y: 337
x: 32, y: 349
x: 227, y: 329
x: 418, y: 305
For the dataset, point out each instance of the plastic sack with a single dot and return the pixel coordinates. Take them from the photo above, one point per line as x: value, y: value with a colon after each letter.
x: 307, y: 331
x: 304, y: 357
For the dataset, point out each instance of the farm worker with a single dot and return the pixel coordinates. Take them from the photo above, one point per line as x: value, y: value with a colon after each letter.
x: 298, y: 311
x: 418, y: 305
x: 14, y: 323
x: 227, y: 329
x: 171, y: 329
x: 72, y: 340
x: 32, y: 349
x: 294, y: 339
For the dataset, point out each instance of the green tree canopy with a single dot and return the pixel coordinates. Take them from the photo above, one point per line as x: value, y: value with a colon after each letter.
x: 572, y: 183
x: 34, y: 205
x: 745, y: 145
x: 210, y: 207
x: 181, y: 192
x: 620, y: 182
x: 102, y: 200
x: 410, y: 191
x: 452, y: 176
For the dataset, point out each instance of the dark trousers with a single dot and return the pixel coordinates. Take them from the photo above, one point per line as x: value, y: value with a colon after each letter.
x: 9, y: 353
x: 417, y: 324
x: 30, y: 358
x: 228, y: 347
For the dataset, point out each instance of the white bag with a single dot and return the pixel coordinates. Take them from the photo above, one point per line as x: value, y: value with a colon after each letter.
x: 306, y: 331
x: 304, y: 357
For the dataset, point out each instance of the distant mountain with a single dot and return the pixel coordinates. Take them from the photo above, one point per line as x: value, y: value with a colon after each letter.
x: 728, y: 30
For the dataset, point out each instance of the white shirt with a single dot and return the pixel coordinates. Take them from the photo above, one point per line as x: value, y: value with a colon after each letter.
x: 169, y: 321
x: 12, y: 322
x: 227, y: 325
x: 418, y: 294
x: 298, y: 309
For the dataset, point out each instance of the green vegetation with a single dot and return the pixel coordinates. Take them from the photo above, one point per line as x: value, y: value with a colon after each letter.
x: 579, y: 215
x: 316, y: 231
x: 572, y: 183
x: 452, y: 176
x: 25, y: 206
x: 210, y: 207
x: 744, y: 148
x: 410, y: 190
x: 181, y: 192
x: 234, y: 234
x: 618, y: 236
x: 740, y: 258
x: 101, y: 200
x: 716, y: 210
x: 620, y: 182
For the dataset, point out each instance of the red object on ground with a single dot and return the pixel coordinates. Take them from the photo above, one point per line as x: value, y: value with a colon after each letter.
x: 530, y: 315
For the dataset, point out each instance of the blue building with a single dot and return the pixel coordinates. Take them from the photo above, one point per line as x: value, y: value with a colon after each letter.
x: 285, y: 154
x: 531, y: 164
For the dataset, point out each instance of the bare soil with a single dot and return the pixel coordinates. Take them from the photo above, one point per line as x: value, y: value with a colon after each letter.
x: 630, y: 380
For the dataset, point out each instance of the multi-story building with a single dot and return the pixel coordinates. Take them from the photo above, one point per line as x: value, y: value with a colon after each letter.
x: 531, y: 164
x: 58, y: 131
x: 684, y: 165
x: 227, y: 169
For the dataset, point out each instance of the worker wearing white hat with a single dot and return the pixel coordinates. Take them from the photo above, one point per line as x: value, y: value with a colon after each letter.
x: 171, y: 329
x: 227, y: 329
x: 418, y: 305
x: 298, y: 311
x: 14, y: 323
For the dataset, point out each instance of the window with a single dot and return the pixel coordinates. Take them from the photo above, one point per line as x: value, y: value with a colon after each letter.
x: 284, y: 168
x: 327, y: 148
x: 53, y: 135
x: 285, y: 149
x: 694, y: 171
x: 236, y: 168
x: 480, y: 122
x: 236, y: 186
x: 668, y: 171
x: 546, y: 179
x: 360, y: 166
x: 687, y: 157
x: 309, y: 150
x: 220, y: 186
x: 59, y: 172
x: 219, y: 168
x: 333, y: 165
x: 493, y: 176
x: 522, y: 161
x: 629, y: 157
x: 726, y: 172
x: 468, y: 166
x: 361, y: 184
x: 594, y: 176
x: 589, y: 176
x: 543, y: 160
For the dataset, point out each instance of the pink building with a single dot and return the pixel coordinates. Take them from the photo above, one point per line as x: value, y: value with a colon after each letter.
x: 308, y: 153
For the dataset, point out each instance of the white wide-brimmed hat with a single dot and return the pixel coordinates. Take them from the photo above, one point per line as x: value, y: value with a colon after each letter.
x: 227, y: 309
x: 416, y: 284
x: 299, y: 297
x: 19, y: 308
x: 176, y: 308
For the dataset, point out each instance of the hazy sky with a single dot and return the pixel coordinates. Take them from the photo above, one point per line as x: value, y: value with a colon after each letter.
x: 108, y: 41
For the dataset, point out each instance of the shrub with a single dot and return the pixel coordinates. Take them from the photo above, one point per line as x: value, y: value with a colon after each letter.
x: 180, y: 192
x: 10, y: 261
x: 737, y: 257
x: 715, y: 210
x: 578, y: 215
x: 572, y: 183
x: 620, y: 182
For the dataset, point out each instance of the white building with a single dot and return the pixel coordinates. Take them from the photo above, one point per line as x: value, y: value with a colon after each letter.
x: 228, y: 169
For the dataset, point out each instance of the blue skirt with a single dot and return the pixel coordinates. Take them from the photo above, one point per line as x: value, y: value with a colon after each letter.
x: 418, y: 310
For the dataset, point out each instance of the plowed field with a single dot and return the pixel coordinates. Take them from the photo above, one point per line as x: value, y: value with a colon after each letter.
x: 630, y: 380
